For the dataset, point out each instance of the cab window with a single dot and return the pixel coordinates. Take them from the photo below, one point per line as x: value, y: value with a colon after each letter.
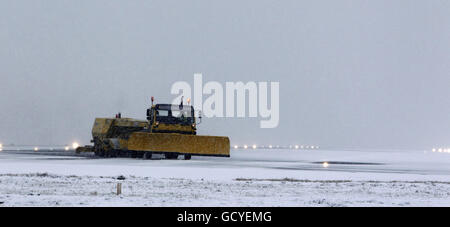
x: 162, y: 113
x: 180, y: 113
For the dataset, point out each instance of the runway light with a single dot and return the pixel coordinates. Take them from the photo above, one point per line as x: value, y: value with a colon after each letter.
x: 36, y: 148
x: 236, y: 147
x: 66, y: 148
x: 440, y: 150
x: 254, y: 146
x: 75, y: 145
x: 1, y: 147
x: 312, y: 147
x: 301, y: 147
x: 270, y: 146
x: 325, y: 164
x: 245, y: 146
x: 296, y: 146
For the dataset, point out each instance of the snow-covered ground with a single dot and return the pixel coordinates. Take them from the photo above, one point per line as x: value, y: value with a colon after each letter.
x: 248, y: 178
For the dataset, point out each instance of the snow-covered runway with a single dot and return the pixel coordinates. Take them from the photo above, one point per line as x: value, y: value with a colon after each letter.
x: 248, y: 178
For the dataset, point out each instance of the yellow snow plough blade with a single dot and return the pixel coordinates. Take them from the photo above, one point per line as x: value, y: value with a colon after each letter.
x: 180, y: 143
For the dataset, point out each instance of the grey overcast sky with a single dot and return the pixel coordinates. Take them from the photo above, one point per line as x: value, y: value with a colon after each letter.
x: 359, y: 74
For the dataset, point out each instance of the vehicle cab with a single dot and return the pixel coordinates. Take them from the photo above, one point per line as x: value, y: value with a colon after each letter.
x: 167, y: 118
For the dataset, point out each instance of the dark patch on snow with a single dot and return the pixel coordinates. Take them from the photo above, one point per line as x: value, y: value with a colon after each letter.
x: 348, y: 163
x: 433, y: 183
x: 60, y: 159
x: 294, y: 180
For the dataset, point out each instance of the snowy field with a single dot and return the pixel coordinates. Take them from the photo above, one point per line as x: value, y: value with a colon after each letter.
x: 248, y: 178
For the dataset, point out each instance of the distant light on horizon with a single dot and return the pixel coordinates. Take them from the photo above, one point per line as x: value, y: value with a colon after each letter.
x: 325, y: 164
x: 75, y: 145
x: 36, y: 148
x: 441, y: 150
x: 66, y: 148
x: 271, y: 146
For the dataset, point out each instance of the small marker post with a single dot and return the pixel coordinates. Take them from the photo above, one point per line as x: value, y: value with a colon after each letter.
x: 119, y: 188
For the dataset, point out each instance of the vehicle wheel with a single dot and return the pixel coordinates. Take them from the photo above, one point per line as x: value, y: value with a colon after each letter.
x: 113, y: 153
x: 187, y: 157
x: 100, y: 154
x: 171, y: 156
x: 147, y: 155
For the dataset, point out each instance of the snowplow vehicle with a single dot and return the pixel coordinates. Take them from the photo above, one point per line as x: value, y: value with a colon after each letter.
x: 170, y: 130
